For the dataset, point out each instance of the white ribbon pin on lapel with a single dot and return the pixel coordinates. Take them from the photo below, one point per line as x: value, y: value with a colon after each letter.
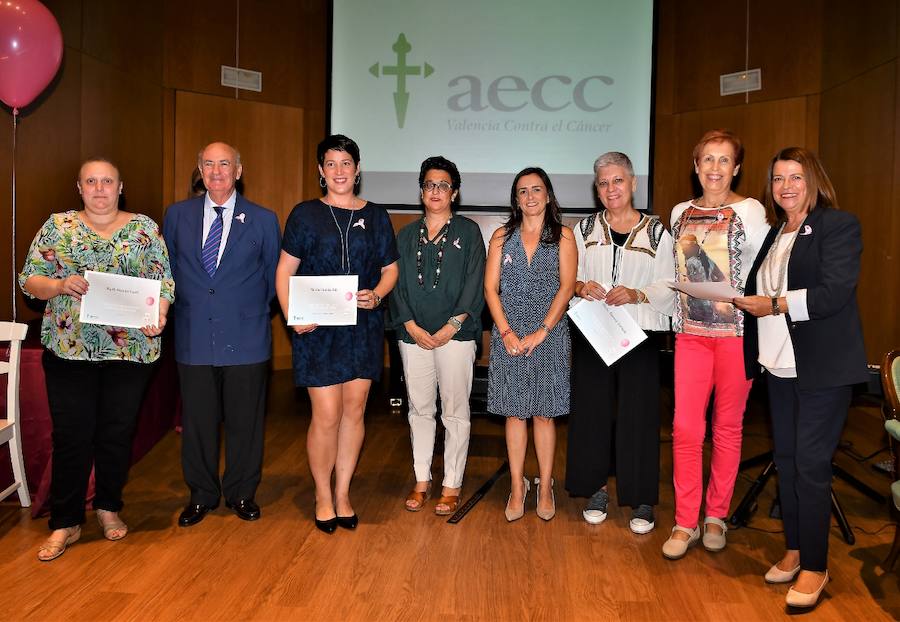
x: 240, y: 217
x: 807, y: 230
x: 360, y: 223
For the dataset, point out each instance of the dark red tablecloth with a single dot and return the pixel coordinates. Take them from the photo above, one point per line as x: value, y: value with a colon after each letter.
x: 159, y: 412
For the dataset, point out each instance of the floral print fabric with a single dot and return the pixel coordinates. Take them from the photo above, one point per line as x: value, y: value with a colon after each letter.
x: 65, y: 246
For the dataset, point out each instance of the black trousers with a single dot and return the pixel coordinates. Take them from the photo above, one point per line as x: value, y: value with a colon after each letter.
x: 806, y: 430
x: 94, y: 406
x: 235, y: 397
x: 624, y: 396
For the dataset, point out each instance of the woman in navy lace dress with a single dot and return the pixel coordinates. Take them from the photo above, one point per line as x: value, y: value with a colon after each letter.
x: 335, y: 235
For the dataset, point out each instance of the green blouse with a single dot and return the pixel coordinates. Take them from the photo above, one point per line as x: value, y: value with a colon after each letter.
x: 65, y: 246
x: 460, y: 288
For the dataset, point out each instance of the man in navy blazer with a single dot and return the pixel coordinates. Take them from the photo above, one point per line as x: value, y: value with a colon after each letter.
x: 223, y: 251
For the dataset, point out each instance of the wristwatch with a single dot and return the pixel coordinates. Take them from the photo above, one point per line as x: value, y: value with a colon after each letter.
x: 776, y: 310
x: 377, y: 299
x: 455, y: 323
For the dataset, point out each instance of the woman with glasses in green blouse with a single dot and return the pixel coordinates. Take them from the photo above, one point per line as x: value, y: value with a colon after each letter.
x: 436, y: 308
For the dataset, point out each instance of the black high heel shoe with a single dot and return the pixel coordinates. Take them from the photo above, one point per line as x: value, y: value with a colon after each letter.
x: 348, y: 522
x: 328, y: 526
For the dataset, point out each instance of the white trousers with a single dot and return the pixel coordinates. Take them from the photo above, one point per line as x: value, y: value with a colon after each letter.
x: 450, y: 368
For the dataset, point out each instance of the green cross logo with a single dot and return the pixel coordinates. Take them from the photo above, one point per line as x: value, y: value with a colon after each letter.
x: 401, y: 97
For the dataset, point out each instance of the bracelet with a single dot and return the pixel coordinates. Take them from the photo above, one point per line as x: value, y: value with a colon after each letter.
x: 505, y: 332
x: 641, y: 296
x: 544, y: 326
x: 455, y: 323
x: 377, y: 299
x: 776, y: 310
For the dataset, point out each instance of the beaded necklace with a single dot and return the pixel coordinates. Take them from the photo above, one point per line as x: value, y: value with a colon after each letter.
x: 420, y: 245
x: 772, y: 271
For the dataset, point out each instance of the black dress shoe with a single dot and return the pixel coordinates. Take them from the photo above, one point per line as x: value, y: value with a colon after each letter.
x: 193, y: 513
x: 348, y: 522
x: 245, y: 509
x: 328, y: 526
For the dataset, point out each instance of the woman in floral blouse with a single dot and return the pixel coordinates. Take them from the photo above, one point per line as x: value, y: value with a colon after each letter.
x: 96, y: 375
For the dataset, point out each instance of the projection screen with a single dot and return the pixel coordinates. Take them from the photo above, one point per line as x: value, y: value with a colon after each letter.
x: 494, y: 86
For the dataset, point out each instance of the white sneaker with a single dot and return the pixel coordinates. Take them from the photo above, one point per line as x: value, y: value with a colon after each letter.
x: 595, y: 512
x: 642, y: 520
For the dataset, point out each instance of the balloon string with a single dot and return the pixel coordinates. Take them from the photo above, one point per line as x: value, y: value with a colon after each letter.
x: 13, y: 245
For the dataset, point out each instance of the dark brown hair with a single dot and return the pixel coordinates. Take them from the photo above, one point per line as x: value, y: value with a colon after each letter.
x: 552, y: 218
x: 818, y: 187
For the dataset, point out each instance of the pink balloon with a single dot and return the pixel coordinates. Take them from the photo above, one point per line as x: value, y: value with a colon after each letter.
x: 31, y: 48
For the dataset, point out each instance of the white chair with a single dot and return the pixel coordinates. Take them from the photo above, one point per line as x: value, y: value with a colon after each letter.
x: 10, y: 430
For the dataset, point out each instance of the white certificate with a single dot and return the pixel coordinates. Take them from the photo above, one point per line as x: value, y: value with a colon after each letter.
x: 610, y: 330
x: 323, y: 300
x: 721, y: 291
x: 118, y: 300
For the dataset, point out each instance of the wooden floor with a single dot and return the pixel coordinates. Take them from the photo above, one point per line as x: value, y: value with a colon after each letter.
x: 404, y: 566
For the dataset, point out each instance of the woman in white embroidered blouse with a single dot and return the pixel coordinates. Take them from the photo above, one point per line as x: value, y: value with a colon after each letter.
x: 625, y: 258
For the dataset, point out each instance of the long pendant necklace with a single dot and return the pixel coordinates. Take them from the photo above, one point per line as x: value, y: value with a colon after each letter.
x: 719, y: 217
x: 345, y: 239
x: 775, y: 267
x: 420, y: 245
x: 617, y: 251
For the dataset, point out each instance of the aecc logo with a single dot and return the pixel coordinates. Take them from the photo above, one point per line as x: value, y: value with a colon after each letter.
x: 507, y: 94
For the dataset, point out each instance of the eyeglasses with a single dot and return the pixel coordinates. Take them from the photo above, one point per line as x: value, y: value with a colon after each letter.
x: 442, y: 186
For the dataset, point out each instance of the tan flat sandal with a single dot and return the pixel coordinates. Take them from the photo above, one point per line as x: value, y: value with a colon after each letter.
x: 54, y: 546
x: 110, y: 526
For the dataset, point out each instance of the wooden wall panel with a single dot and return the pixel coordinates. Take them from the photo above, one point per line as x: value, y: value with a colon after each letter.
x: 199, y: 39
x: 107, y: 38
x: 269, y: 138
x: 170, y: 192
x: 68, y: 15
x: 313, y: 133
x: 858, y: 143
x: 858, y: 36
x: 710, y: 40
x: 121, y: 119
x: 666, y: 45
x: 287, y: 42
x: 47, y: 159
x: 786, y: 43
x: 891, y: 330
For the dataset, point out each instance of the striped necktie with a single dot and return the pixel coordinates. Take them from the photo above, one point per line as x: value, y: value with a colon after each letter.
x: 210, y: 253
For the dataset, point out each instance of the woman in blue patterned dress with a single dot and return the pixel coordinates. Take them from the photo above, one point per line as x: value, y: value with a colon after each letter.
x: 529, y: 280
x: 95, y: 374
x: 338, y: 234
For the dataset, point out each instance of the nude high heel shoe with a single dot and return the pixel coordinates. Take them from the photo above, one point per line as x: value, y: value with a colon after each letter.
x: 545, y: 514
x: 514, y: 515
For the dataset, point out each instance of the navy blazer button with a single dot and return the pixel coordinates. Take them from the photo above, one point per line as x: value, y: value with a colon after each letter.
x: 212, y: 291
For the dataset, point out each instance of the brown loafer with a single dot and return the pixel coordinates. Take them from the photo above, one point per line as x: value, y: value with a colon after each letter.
x: 418, y: 499
x: 450, y: 501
